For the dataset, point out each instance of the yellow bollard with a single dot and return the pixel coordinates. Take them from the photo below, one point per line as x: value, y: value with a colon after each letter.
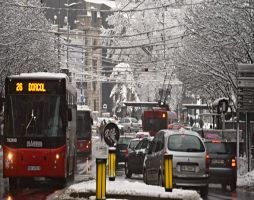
x: 168, y: 172
x: 112, y: 163
x: 101, y: 178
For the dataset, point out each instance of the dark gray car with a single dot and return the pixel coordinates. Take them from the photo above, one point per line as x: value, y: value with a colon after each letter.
x: 190, y: 163
x: 222, y: 163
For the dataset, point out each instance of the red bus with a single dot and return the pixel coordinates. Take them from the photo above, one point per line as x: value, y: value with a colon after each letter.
x: 84, y: 131
x: 39, y: 127
x: 155, y: 120
x: 157, y: 117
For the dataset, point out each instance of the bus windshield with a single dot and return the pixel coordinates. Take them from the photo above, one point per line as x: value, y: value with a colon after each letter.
x: 84, y: 124
x: 154, y: 124
x: 34, y: 116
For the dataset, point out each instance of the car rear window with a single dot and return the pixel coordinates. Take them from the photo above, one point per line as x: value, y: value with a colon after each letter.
x: 133, y: 144
x: 185, y: 143
x: 124, y: 140
x: 219, y: 147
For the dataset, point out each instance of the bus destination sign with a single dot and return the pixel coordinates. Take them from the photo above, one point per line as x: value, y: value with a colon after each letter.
x: 31, y: 87
x: 35, y: 86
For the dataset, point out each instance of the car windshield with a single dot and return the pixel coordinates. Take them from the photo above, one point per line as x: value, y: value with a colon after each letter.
x: 134, y: 120
x: 219, y: 147
x: 185, y: 143
x: 35, y: 116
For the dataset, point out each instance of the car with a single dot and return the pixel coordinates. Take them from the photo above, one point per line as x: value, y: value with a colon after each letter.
x: 130, y: 124
x: 222, y: 163
x: 121, y: 147
x: 142, y: 134
x: 135, y: 157
x: 190, y: 161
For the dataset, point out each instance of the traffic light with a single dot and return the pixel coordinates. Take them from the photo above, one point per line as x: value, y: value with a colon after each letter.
x: 221, y: 105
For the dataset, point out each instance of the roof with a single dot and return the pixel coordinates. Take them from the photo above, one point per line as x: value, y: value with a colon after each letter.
x: 181, y: 131
x: 195, y: 106
x: 83, y: 107
x: 111, y: 4
x: 41, y: 75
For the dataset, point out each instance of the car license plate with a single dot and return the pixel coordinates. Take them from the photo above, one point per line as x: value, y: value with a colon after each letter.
x: 217, y: 161
x: 188, y: 168
x: 33, y: 168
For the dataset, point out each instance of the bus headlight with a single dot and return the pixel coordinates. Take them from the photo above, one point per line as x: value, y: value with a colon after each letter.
x: 57, y: 156
x: 10, y: 156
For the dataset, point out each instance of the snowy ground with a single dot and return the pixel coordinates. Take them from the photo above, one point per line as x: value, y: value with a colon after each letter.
x: 124, y: 189
x: 244, y: 178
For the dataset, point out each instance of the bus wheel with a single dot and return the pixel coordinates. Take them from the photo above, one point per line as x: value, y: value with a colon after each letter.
x: 61, y: 182
x: 13, y: 184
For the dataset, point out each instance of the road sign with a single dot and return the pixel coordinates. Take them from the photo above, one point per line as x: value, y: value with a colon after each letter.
x: 245, y: 92
x: 111, y: 134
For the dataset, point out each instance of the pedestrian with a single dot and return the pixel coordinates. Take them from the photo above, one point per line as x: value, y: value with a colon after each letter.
x: 102, y: 126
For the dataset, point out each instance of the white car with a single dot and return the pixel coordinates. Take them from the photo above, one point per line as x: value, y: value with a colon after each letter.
x: 130, y: 124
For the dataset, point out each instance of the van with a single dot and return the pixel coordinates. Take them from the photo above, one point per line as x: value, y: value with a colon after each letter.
x: 190, y: 160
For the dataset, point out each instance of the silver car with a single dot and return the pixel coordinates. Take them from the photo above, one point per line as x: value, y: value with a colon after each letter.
x: 190, y: 161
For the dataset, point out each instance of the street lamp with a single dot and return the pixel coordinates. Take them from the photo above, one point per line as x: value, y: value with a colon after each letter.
x: 55, y: 18
x: 66, y: 20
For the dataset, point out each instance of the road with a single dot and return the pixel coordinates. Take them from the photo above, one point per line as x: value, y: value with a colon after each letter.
x: 41, y: 190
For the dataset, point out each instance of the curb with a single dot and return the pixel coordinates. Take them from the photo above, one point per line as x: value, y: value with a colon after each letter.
x: 118, y: 196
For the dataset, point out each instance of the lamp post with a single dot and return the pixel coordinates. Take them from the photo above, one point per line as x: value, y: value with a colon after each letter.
x: 66, y: 20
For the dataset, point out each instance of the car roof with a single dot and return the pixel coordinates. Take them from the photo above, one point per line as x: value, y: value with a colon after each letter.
x: 127, y: 136
x: 181, y: 131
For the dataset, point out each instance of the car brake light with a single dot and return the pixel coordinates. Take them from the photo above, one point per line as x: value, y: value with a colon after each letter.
x: 207, y: 158
x: 126, y: 152
x: 216, y: 141
x: 233, y: 163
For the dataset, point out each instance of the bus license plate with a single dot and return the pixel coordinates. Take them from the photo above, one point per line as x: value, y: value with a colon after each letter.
x: 33, y: 168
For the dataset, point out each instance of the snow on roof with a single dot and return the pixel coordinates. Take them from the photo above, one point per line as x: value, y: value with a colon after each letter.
x: 83, y: 107
x: 42, y: 75
x: 111, y: 4
x: 125, y: 187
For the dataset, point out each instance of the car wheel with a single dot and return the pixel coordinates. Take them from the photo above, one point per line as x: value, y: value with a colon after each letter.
x: 233, y: 186
x: 204, y: 192
x: 13, y: 184
x: 224, y: 186
x: 145, y: 176
x: 128, y: 172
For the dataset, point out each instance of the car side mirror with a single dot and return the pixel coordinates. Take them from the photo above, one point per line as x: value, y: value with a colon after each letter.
x: 69, y: 114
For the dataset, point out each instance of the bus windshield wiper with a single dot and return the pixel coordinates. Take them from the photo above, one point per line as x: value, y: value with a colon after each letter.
x: 33, y: 117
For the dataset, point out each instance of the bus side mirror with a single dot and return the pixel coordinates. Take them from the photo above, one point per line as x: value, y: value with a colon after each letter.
x: 69, y: 114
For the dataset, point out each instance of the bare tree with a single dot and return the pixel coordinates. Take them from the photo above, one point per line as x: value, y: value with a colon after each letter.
x: 25, y: 44
x: 218, y: 36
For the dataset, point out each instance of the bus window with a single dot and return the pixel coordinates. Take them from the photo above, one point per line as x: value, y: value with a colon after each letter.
x: 34, y: 116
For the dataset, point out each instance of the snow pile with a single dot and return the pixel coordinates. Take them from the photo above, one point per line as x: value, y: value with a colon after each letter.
x: 126, y: 188
x: 246, y: 179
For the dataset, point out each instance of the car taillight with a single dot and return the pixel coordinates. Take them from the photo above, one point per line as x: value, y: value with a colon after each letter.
x: 233, y: 163
x: 207, y: 159
x: 126, y: 152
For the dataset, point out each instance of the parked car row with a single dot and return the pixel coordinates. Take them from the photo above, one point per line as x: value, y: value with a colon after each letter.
x: 196, y: 162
